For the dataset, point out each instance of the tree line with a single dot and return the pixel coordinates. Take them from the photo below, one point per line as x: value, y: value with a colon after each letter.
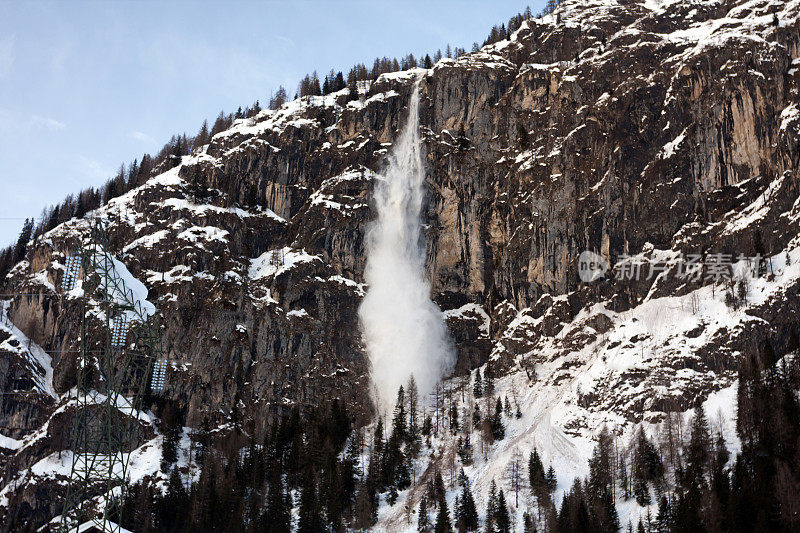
x: 314, y: 85
x: 314, y: 471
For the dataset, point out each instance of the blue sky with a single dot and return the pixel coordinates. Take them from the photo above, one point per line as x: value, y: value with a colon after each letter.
x: 85, y: 86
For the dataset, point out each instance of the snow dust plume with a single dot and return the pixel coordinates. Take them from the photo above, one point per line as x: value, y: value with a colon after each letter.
x: 403, y: 329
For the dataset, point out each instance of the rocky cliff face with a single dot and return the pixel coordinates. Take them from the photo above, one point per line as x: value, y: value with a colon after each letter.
x: 640, y: 130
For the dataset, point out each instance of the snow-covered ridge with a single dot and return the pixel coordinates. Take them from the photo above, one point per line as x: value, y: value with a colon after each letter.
x: 40, y: 362
x: 276, y: 262
x: 550, y: 384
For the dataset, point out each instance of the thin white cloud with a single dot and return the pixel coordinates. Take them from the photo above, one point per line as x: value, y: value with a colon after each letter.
x: 93, y: 169
x: 60, y: 56
x: 285, y: 40
x: 48, y: 123
x: 6, y: 55
x: 237, y: 69
x: 141, y: 136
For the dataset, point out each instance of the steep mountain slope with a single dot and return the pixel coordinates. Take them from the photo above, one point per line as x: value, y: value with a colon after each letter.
x: 641, y: 130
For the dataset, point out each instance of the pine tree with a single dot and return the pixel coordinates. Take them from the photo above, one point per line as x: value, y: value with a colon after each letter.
x: 339, y: 83
x: 624, y: 483
x: 600, y: 487
x: 759, y: 252
x: 439, y: 492
x: 203, y: 439
x: 220, y: 124
x: 315, y: 89
x: 206, y: 494
x: 427, y: 426
x: 413, y: 439
x: 80, y: 207
x: 768, y: 356
x: 574, y: 513
x: 171, y: 427
x: 749, y: 385
x: 663, y: 518
x: 454, y: 425
x: 692, y: 477
x: 399, y: 426
x: 647, y: 467
x: 423, y: 521
x: 641, y: 491
x: 133, y: 172
x: 279, y: 98
x: 366, y: 512
x: 698, y: 451
x: 465, y: 449
x: 395, y: 466
x: 467, y: 517
x: 22, y: 240
x: 331, y: 489
x: 536, y: 475
x: 376, y: 461
x: 173, y: 503
x: 203, y: 136
x: 53, y: 219
x: 326, y: 86
x: 5, y: 266
x: 310, y: 514
x: 498, y: 429
x: 348, y: 472
x: 491, y: 508
x: 550, y: 479
x: 528, y: 525
x: 352, y: 87
x: 719, y: 497
x: 463, y: 480
x: 443, y: 524
x: 391, y: 497
x: 501, y: 517
x: 488, y: 374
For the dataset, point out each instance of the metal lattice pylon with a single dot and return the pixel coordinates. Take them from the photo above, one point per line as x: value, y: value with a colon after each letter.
x: 118, y: 348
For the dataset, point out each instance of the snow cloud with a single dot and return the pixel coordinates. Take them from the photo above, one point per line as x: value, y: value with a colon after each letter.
x: 404, y: 330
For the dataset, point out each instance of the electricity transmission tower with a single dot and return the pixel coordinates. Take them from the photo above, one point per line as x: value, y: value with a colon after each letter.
x: 119, y: 343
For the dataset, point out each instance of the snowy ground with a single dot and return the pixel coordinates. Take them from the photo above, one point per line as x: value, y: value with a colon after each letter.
x: 553, y: 420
